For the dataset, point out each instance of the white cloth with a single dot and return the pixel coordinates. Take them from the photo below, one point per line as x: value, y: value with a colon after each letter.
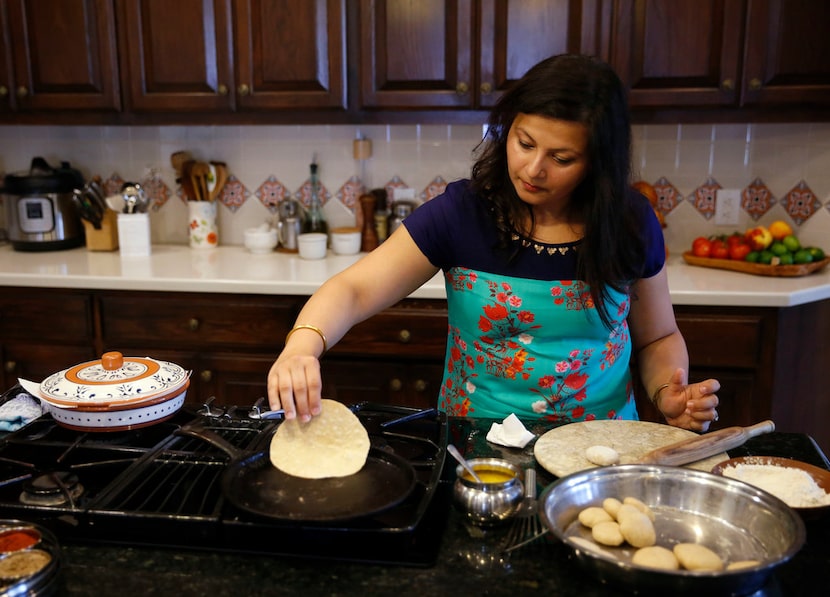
x: 19, y: 411
x: 510, y: 433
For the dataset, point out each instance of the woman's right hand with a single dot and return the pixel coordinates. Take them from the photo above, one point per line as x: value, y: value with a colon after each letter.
x: 295, y: 385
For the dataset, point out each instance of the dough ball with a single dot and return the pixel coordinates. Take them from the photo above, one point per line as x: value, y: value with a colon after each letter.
x: 602, y: 455
x: 638, y: 530
x: 632, y: 501
x: 612, y: 506
x: 594, y: 515
x: 656, y: 556
x: 740, y: 565
x: 693, y: 556
x: 626, y: 510
x: 607, y: 533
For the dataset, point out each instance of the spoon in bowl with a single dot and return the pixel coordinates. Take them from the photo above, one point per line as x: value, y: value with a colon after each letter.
x: 457, y: 455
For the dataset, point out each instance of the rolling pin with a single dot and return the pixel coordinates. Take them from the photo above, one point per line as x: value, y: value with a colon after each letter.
x: 704, y: 446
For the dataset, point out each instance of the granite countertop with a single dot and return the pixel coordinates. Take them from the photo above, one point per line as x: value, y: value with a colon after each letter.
x: 468, y: 563
x: 231, y: 269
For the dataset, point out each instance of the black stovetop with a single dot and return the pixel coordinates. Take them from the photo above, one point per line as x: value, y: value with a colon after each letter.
x: 154, y: 487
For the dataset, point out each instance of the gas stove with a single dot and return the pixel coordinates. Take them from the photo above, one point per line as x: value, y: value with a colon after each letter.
x: 156, y: 487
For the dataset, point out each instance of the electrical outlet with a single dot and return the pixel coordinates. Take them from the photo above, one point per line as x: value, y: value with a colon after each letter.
x: 727, y: 207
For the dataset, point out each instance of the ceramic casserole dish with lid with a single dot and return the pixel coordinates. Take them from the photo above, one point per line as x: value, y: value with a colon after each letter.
x: 115, y: 392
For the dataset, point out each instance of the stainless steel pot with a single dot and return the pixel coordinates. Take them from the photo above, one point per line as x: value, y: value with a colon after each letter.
x: 41, y: 214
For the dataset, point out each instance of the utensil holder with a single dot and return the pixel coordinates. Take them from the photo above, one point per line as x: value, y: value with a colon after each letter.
x: 134, y: 234
x: 203, y: 231
x: 104, y: 238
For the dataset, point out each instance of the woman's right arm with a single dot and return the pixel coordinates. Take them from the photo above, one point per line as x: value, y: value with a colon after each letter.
x: 380, y: 279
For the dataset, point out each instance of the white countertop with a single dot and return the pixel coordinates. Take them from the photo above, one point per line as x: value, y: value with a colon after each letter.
x: 231, y: 269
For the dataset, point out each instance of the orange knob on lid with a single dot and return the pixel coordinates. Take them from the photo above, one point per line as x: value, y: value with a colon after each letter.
x: 112, y: 360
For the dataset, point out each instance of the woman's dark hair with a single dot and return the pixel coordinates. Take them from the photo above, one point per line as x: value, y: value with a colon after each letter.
x: 586, y: 90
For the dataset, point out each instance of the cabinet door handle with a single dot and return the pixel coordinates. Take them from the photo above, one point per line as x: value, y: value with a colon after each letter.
x: 243, y: 89
x: 486, y: 89
x: 728, y: 84
x: 4, y: 91
x: 404, y: 336
x: 193, y: 324
x: 206, y: 375
x: 10, y: 366
x: 420, y: 385
x: 462, y: 88
x: 755, y: 84
x: 395, y: 384
x: 22, y: 91
x: 222, y: 89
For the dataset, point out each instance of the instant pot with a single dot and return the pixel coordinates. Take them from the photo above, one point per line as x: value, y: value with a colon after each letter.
x: 40, y: 213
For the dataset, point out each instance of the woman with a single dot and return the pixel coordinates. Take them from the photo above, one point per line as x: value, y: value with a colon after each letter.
x: 554, y: 269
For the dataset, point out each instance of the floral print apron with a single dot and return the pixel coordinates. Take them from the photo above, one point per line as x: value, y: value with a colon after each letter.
x: 534, y: 348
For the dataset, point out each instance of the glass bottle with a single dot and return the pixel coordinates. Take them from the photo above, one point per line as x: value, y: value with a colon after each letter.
x: 315, y: 221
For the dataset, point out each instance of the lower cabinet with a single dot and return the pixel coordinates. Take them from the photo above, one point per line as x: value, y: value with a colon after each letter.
x: 770, y: 362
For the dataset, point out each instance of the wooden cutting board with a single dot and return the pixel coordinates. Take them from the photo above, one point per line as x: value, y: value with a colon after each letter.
x: 561, y: 451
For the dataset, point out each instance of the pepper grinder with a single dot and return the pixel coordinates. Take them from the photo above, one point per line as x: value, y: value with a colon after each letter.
x: 369, y: 237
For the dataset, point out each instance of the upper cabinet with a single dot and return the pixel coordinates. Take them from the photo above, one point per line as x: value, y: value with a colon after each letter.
x: 225, y: 55
x: 394, y: 61
x: 722, y: 53
x: 58, y: 55
x: 451, y: 54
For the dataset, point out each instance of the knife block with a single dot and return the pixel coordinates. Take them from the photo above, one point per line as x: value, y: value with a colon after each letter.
x: 104, y: 238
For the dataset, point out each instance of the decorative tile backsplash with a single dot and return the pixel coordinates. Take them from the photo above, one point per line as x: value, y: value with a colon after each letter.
x: 782, y: 171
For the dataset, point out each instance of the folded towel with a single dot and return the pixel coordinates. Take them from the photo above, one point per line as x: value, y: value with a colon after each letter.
x: 510, y: 433
x: 18, y: 411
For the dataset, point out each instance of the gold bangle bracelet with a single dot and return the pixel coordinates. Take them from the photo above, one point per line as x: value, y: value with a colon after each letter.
x: 313, y: 328
x: 656, y: 396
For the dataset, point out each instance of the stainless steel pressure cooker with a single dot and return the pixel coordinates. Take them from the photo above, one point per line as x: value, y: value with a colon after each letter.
x: 40, y: 213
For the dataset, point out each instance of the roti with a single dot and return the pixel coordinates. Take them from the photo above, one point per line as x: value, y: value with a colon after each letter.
x: 562, y: 450
x: 333, y: 444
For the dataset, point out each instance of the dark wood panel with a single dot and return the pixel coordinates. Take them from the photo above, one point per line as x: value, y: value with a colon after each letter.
x: 201, y: 321
x: 175, y: 56
x: 64, y: 55
x: 723, y: 339
x: 788, y: 53
x: 290, y: 54
x: 36, y: 361
x: 679, y: 53
x: 53, y: 316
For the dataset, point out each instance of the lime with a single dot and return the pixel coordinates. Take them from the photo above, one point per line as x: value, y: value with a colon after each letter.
x: 791, y: 243
x: 778, y: 248
x: 802, y: 256
x: 786, y: 259
x: 816, y: 253
x: 766, y: 257
x: 753, y: 256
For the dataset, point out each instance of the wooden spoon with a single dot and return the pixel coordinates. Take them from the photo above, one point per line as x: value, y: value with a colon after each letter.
x: 199, y: 175
x: 221, y: 178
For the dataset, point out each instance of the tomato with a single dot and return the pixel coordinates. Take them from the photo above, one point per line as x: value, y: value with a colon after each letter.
x: 739, y: 251
x: 702, y: 247
x: 720, y: 250
x: 736, y: 238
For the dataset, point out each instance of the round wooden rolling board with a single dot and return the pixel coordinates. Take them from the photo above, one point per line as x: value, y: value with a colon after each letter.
x: 561, y: 451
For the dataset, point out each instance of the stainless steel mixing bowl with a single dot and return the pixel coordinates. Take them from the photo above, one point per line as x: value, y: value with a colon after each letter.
x: 736, y: 520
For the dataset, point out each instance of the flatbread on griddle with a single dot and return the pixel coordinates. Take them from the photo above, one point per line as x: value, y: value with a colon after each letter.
x: 332, y: 444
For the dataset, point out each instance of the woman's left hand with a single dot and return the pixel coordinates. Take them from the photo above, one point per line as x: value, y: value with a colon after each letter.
x: 691, y: 406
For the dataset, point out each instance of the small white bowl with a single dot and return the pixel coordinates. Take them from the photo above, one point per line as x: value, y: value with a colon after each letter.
x: 260, y: 241
x: 312, y: 245
x: 345, y: 241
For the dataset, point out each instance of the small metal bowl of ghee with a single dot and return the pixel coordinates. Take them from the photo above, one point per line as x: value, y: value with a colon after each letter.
x: 496, y: 498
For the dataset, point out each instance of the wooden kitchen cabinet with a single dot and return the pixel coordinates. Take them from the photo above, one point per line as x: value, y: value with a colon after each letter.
x: 43, y: 332
x: 462, y: 54
x: 722, y: 53
x: 62, y: 56
x: 232, y: 55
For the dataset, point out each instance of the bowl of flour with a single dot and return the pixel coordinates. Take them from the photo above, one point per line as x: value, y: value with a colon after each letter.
x: 802, y: 486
